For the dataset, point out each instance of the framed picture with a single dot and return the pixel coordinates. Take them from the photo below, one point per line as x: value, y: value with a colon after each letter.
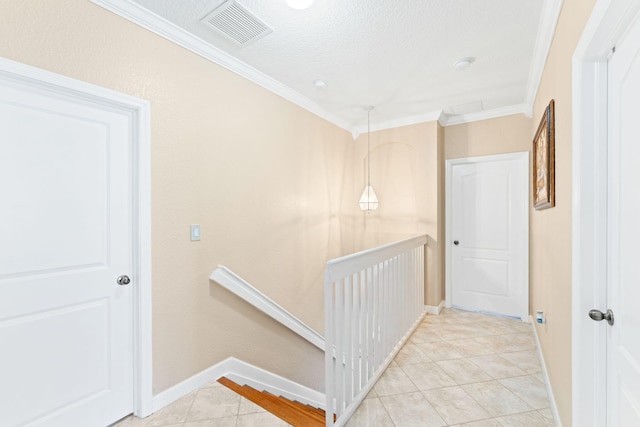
x: 544, y: 191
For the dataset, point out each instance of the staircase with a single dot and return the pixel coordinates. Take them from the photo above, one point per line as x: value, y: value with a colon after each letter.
x: 294, y: 413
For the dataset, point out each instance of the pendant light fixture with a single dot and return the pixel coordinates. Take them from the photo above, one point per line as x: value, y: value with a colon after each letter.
x: 368, y: 200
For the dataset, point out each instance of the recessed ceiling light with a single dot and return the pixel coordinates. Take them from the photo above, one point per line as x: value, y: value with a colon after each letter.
x: 299, y: 4
x: 463, y: 63
x: 320, y: 84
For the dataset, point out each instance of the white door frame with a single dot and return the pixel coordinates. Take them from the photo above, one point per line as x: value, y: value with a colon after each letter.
x: 449, y: 164
x: 608, y: 22
x: 18, y: 74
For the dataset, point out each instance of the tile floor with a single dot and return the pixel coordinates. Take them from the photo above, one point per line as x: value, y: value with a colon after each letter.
x: 461, y: 369
x: 457, y: 369
x: 213, y: 405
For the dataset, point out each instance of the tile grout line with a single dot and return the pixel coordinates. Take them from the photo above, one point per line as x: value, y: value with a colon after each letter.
x: 238, y: 412
x: 195, y: 396
x: 386, y: 411
x: 507, y: 332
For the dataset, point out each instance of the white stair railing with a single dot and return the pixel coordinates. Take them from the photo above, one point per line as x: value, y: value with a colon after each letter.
x: 373, y: 301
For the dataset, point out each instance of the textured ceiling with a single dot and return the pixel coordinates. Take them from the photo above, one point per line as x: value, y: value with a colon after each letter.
x: 396, y: 55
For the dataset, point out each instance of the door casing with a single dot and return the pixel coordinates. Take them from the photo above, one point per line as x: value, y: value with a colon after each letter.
x: 449, y: 164
x: 609, y: 20
x: 14, y: 73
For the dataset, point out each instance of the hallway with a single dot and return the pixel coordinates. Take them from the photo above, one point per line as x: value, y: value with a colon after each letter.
x: 457, y: 369
x: 461, y: 369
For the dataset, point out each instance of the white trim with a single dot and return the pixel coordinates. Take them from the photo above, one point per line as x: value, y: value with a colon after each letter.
x: 546, y: 30
x: 488, y: 114
x: 139, y: 111
x: 143, y: 322
x: 162, y: 27
x: 440, y: 116
x: 435, y: 309
x: 243, y: 289
x: 545, y: 373
x: 159, y: 25
x: 192, y: 383
x: 521, y: 156
x: 241, y: 373
x: 609, y: 20
x: 446, y: 119
x: 338, y: 268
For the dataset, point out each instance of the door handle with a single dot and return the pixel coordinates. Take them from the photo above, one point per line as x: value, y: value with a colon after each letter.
x: 455, y: 242
x: 598, y: 316
x: 123, y: 280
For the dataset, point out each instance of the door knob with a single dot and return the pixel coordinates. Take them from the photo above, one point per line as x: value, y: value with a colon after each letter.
x: 598, y: 316
x: 123, y: 280
x: 455, y: 242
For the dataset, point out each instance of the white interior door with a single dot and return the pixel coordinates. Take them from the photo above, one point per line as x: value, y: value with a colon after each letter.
x: 488, y: 239
x: 623, y: 281
x: 65, y: 236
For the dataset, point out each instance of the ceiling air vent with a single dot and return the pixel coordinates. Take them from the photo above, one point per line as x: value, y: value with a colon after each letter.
x: 236, y: 23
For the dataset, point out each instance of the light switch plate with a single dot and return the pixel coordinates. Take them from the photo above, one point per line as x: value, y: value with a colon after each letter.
x: 195, y: 232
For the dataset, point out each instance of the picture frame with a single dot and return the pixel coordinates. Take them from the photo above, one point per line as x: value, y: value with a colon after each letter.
x: 544, y: 191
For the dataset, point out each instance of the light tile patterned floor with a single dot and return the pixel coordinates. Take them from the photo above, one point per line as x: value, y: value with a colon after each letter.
x: 461, y: 369
x: 213, y: 405
x: 458, y: 368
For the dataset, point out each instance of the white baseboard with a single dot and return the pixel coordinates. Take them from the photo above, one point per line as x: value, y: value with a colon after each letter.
x: 545, y: 373
x: 193, y: 383
x: 246, y: 374
x: 241, y: 373
x: 435, y: 309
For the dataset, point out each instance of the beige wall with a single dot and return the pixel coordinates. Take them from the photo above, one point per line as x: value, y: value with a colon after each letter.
x: 263, y: 177
x: 551, y: 228
x: 275, y: 189
x: 406, y: 175
x: 509, y: 134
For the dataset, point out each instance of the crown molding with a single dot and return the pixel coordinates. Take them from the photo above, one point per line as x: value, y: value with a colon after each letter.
x: 157, y: 24
x: 411, y: 120
x: 446, y: 119
x: 162, y: 27
x: 546, y: 30
x: 489, y: 114
x: 440, y: 116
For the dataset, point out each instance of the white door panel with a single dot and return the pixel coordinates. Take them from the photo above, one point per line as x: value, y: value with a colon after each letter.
x: 65, y: 233
x: 623, y: 282
x: 605, y: 250
x: 490, y: 225
x: 77, y: 218
x: 484, y: 207
x: 486, y: 276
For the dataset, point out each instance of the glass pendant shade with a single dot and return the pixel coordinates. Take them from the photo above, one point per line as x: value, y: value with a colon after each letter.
x: 368, y: 200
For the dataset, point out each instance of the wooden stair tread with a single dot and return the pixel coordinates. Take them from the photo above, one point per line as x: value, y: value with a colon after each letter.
x: 294, y: 413
x: 317, y: 413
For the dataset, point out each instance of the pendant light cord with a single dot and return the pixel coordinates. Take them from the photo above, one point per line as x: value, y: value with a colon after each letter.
x: 368, y: 200
x: 369, y: 149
